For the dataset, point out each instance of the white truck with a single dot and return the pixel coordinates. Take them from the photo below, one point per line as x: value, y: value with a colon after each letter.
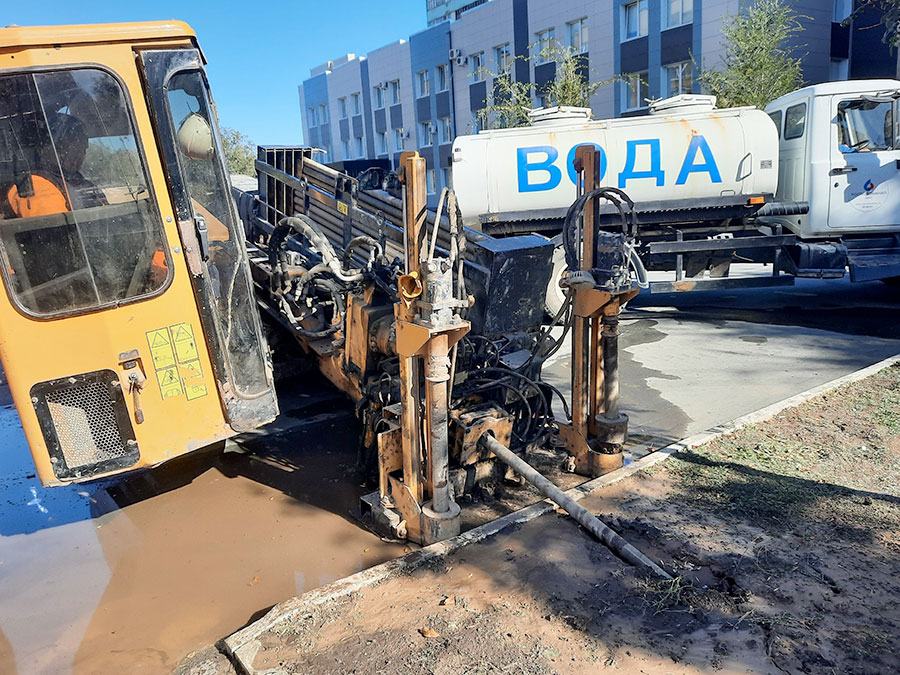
x: 811, y: 184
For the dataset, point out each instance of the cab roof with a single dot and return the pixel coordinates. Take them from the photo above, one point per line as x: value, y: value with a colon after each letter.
x: 838, y: 87
x: 34, y: 36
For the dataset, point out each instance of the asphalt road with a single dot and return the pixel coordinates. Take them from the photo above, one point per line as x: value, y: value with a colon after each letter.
x: 694, y: 360
x: 129, y: 575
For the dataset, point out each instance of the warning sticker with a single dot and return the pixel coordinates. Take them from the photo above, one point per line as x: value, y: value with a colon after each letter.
x: 183, y: 339
x: 176, y: 361
x: 169, y: 382
x: 160, y: 345
x: 192, y: 377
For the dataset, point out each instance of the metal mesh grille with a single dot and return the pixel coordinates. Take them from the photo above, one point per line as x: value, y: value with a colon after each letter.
x: 85, y: 422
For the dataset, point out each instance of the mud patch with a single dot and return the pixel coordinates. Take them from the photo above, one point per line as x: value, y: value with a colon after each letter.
x: 781, y: 564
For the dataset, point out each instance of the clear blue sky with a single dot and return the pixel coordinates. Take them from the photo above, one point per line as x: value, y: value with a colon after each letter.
x: 258, y: 52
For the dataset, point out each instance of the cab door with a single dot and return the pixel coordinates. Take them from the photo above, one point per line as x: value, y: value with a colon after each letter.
x: 865, y: 164
x: 102, y: 336
x: 186, y: 127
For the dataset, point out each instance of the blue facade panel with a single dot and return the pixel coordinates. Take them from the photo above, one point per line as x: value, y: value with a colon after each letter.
x: 428, y: 50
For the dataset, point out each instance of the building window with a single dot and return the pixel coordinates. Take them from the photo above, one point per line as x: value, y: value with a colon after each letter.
x: 677, y: 13
x: 502, y: 58
x: 444, y: 131
x: 477, y: 121
x: 794, y: 121
x: 635, y: 90
x: 425, y: 135
x: 354, y: 98
x: 443, y: 77
x: 342, y: 107
x: 394, y: 87
x: 842, y: 10
x: 447, y: 178
x: 476, y: 61
x: 345, y: 147
x: 360, y: 147
x: 542, y: 46
x: 578, y: 35
x: 312, y: 117
x: 378, y: 95
x: 324, y: 110
x: 398, y: 139
x: 429, y: 181
x: 636, y: 21
x: 679, y: 78
x: 423, y: 83
x: 543, y: 101
x: 382, y: 142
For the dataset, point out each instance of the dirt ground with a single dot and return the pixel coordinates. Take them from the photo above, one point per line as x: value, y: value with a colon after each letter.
x: 783, y: 539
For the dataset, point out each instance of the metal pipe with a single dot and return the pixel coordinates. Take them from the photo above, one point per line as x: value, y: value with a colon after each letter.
x: 610, y: 338
x: 581, y: 515
x: 437, y: 374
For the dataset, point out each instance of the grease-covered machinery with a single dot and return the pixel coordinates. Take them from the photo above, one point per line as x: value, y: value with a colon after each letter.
x: 130, y: 333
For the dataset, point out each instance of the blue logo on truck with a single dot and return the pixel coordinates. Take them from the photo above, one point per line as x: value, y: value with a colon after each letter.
x: 537, y: 170
x: 869, y: 187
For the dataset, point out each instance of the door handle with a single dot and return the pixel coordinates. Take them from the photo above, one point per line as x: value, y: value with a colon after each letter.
x: 842, y: 169
x: 136, y: 385
x: 202, y: 237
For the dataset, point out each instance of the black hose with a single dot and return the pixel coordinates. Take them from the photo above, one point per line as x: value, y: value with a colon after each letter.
x: 575, y: 215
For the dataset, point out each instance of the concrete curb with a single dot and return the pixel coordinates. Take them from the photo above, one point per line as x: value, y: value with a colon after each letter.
x: 243, y: 645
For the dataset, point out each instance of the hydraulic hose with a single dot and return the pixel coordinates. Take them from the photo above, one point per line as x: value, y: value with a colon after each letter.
x: 304, y: 225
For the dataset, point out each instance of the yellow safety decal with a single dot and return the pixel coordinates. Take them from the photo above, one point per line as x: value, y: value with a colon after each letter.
x: 185, y: 346
x: 343, y: 208
x: 169, y: 382
x: 161, y: 348
x: 177, y: 362
x: 192, y: 376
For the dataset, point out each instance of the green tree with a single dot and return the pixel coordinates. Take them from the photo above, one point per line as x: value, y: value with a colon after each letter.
x: 759, y: 64
x: 572, y: 85
x: 509, y: 103
x: 240, y: 152
x: 510, y: 100
x: 890, y: 18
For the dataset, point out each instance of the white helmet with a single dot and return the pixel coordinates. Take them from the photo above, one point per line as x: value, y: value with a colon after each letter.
x: 195, y: 138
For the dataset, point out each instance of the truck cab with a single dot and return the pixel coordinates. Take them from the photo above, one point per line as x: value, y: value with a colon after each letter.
x: 840, y: 152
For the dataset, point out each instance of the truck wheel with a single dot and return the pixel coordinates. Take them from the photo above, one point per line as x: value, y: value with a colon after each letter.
x: 891, y: 281
x: 555, y: 296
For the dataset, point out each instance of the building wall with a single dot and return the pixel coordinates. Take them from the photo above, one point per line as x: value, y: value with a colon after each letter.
x: 428, y: 50
x: 480, y: 30
x: 387, y: 64
x: 829, y: 51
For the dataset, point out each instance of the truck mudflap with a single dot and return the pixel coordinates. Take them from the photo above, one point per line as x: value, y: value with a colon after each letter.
x: 873, y: 258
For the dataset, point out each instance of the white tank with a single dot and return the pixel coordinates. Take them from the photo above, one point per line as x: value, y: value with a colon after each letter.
x: 685, y: 149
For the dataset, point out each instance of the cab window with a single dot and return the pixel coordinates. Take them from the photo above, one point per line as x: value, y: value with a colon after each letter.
x: 79, y: 228
x: 794, y: 121
x: 866, y: 126
x: 776, y: 118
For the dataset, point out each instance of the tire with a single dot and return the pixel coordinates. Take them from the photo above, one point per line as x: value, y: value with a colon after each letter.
x: 555, y: 296
x: 891, y: 281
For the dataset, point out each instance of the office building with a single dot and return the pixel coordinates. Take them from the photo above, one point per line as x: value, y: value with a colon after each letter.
x: 419, y: 93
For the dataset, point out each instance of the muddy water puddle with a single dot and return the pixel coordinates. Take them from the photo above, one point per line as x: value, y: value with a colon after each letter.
x: 131, y: 575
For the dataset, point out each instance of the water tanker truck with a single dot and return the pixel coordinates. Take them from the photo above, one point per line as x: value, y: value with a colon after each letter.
x: 811, y: 184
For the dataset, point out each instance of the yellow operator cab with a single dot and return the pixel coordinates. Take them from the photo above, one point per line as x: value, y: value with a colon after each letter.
x: 128, y: 328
